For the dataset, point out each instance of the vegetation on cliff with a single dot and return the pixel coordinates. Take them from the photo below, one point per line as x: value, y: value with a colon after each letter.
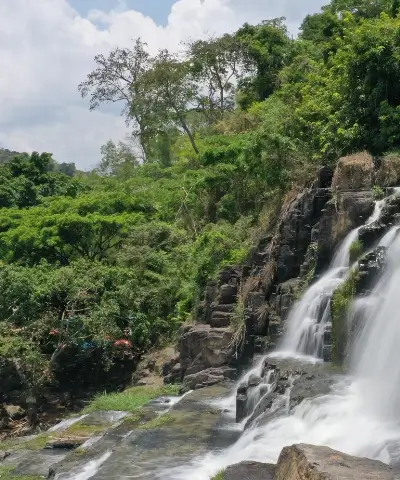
x: 113, y: 260
x: 340, y: 306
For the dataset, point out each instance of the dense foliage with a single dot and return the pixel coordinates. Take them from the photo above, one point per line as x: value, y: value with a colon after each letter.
x: 116, y: 258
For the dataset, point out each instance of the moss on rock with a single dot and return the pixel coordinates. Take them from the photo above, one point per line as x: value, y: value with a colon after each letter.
x: 341, y: 302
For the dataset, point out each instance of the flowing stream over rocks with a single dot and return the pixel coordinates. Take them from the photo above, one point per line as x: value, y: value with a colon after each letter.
x: 359, y: 414
x: 310, y: 316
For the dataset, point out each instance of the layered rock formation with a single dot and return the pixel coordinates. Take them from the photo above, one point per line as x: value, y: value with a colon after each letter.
x: 244, y: 310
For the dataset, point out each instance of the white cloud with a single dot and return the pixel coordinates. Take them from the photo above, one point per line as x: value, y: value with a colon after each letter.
x: 47, y: 48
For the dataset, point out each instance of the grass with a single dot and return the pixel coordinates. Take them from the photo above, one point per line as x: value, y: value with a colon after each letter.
x: 7, y: 473
x: 131, y: 399
x: 157, y: 422
x: 219, y: 476
x: 81, y: 430
x: 354, y: 172
x: 13, y: 444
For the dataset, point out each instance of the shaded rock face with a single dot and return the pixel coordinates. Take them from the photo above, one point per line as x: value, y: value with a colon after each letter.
x: 308, y: 462
x: 296, y: 230
x: 250, y: 471
x: 340, y: 216
x: 203, y: 347
x: 370, y: 268
x: 390, y: 216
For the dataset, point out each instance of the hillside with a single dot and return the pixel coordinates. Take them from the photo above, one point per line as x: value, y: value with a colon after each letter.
x: 98, y: 269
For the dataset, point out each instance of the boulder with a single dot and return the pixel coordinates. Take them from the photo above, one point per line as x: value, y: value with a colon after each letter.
x: 228, y: 294
x: 308, y: 462
x: 220, y: 319
x: 202, y: 347
x: 250, y: 471
x: 354, y: 172
x: 15, y: 412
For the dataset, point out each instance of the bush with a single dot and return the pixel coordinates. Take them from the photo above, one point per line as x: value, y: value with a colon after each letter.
x: 356, y: 250
x: 340, y: 305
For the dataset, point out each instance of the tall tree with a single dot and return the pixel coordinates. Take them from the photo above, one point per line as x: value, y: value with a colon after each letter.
x: 171, y: 91
x: 217, y: 63
x: 117, y: 160
x: 266, y: 49
x: 116, y: 79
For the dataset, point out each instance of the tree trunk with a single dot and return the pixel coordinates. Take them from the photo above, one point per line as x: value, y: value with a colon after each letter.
x: 32, y: 410
x: 189, y: 134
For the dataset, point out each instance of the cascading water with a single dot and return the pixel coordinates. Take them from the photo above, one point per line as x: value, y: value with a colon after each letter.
x: 360, y: 416
x: 308, y: 319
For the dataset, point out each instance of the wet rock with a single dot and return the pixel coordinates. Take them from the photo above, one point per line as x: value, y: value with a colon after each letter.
x: 250, y: 471
x: 309, y: 462
x: 349, y: 210
x: 310, y: 386
x: 254, y: 380
x: 241, y: 407
x: 263, y: 405
x: 66, y: 443
x: 295, y: 231
x: 370, y: 268
x: 208, y: 377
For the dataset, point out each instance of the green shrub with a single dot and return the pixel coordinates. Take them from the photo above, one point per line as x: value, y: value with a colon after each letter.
x: 219, y: 476
x: 356, y: 250
x: 378, y: 192
x: 341, y: 303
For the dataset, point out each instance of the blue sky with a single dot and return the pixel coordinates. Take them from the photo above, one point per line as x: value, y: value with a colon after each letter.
x: 47, y: 48
x: 157, y: 9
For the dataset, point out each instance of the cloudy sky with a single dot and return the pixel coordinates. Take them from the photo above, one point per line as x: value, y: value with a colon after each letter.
x: 47, y: 48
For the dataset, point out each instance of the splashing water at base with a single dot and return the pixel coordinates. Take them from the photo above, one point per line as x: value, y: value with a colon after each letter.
x: 360, y: 416
x: 337, y: 420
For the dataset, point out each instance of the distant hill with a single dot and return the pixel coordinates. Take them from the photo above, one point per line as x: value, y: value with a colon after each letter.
x: 6, y: 155
x: 67, y: 168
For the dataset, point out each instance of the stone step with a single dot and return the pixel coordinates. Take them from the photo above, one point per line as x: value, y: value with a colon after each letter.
x: 221, y: 319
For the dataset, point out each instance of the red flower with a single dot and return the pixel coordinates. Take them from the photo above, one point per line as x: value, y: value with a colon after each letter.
x: 54, y: 331
x: 123, y: 343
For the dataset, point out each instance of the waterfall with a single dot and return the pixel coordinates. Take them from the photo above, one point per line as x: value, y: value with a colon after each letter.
x: 376, y: 361
x: 360, y: 416
x: 308, y: 318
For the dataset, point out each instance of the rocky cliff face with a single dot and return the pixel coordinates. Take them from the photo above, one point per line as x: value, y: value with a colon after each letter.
x: 244, y: 311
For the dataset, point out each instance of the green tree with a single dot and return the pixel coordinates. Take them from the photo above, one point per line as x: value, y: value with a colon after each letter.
x: 117, y: 160
x: 217, y: 63
x: 116, y: 79
x: 171, y: 90
x: 266, y: 50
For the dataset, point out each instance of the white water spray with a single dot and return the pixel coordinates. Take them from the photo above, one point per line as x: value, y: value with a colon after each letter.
x: 360, y: 416
x: 308, y: 318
